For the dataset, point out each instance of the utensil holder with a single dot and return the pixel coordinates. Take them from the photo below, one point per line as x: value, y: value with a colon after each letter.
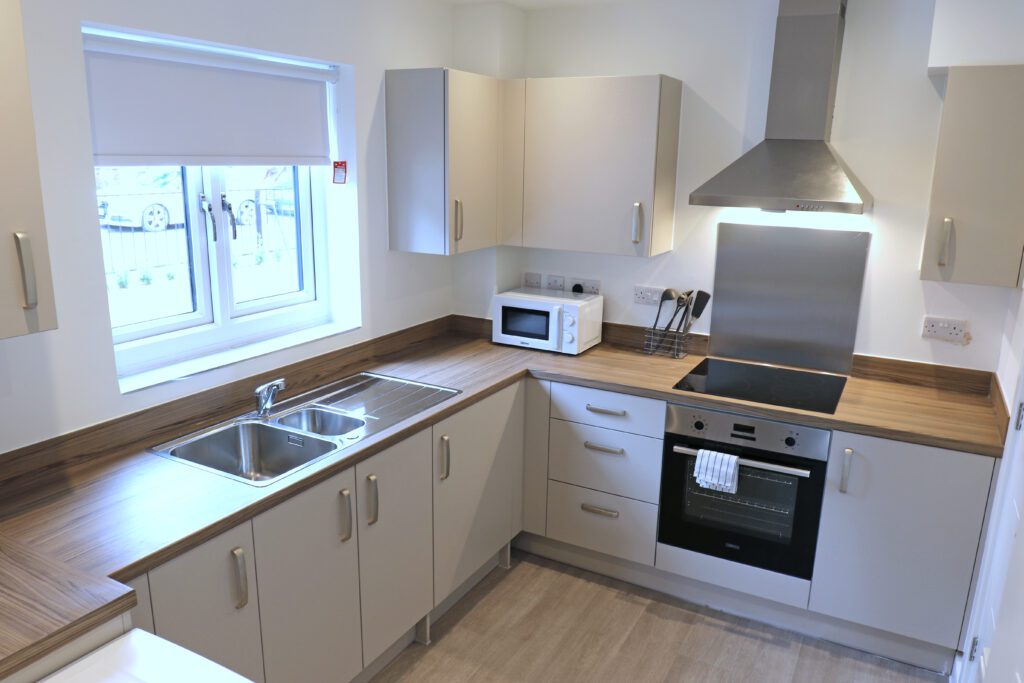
x: 664, y: 342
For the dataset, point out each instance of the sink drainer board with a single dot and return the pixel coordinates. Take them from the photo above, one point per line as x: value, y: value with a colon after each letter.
x: 259, y: 452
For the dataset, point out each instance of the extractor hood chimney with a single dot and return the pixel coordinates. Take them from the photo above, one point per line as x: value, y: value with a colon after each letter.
x: 795, y: 168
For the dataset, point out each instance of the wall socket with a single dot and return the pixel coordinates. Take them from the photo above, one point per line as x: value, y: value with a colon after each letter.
x: 588, y: 286
x: 947, y: 329
x: 532, y: 280
x: 648, y: 296
x: 554, y: 282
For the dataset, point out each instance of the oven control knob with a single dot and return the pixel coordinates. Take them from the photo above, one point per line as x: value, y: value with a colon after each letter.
x: 569, y: 321
x: 790, y: 441
x: 699, y: 425
x: 568, y: 338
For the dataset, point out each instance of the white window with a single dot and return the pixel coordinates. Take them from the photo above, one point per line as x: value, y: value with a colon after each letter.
x: 210, y: 173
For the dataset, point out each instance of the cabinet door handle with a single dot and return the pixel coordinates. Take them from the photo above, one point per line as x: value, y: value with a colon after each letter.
x: 241, y: 578
x: 458, y: 220
x: 594, y: 509
x: 844, y: 479
x: 207, y: 208
x: 346, y: 514
x: 446, y: 457
x: 591, y: 446
x: 638, y: 221
x: 606, y: 411
x: 372, y: 500
x: 28, y: 270
x: 947, y: 236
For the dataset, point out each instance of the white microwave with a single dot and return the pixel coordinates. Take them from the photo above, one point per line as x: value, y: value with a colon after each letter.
x: 547, y: 319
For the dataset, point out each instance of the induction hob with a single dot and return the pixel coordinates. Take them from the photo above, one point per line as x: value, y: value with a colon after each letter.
x: 815, y: 391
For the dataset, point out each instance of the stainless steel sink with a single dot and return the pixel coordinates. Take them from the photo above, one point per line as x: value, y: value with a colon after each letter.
x: 253, y: 451
x: 259, y: 451
x: 321, y: 421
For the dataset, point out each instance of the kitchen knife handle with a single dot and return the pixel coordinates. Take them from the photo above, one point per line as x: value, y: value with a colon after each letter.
x: 947, y: 236
x: 637, y: 222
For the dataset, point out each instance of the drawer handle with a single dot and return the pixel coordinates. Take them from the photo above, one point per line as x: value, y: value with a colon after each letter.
x: 346, y: 514
x: 594, y: 509
x: 591, y: 446
x: 241, y: 578
x: 605, y: 411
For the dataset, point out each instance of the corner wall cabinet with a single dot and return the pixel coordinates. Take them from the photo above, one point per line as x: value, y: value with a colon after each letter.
x: 442, y: 156
x: 26, y: 290
x: 600, y: 164
x: 975, y: 233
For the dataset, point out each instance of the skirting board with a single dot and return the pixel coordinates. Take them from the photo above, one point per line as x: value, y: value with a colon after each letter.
x: 891, y: 646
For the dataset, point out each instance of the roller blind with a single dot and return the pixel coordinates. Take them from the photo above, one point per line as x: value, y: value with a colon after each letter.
x: 175, y: 104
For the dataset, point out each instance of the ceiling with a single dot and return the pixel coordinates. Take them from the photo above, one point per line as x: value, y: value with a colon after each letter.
x: 532, y: 4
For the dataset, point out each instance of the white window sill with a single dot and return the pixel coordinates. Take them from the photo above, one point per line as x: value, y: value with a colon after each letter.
x: 194, y: 366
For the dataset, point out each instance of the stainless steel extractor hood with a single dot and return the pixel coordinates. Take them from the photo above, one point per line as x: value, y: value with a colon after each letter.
x: 795, y: 168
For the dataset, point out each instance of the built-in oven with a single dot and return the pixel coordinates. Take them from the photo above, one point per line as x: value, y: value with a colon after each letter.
x: 771, y: 521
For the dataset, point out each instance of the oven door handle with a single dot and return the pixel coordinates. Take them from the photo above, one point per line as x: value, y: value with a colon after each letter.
x: 755, y: 464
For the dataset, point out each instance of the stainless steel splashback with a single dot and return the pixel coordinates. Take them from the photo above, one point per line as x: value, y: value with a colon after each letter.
x: 788, y: 296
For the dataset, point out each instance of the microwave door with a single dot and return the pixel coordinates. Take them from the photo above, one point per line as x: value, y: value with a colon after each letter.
x: 538, y: 328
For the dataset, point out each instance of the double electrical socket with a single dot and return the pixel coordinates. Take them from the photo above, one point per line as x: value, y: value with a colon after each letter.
x: 947, y: 329
x: 561, y: 283
x: 648, y: 296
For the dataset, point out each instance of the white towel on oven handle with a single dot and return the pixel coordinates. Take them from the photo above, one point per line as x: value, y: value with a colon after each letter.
x: 717, y: 471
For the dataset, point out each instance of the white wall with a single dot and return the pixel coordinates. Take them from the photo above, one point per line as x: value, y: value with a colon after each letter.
x: 967, y: 32
x: 886, y: 125
x: 59, y: 381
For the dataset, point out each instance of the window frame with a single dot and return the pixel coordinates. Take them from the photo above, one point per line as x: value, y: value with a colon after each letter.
x: 229, y: 326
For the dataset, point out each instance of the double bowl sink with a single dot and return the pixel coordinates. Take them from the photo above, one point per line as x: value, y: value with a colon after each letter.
x: 302, y: 431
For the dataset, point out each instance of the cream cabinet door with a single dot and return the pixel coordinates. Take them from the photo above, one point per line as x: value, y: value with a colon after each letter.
x: 475, y: 454
x: 26, y: 291
x: 896, y: 549
x: 600, y: 164
x: 975, y: 231
x: 207, y: 601
x: 307, y: 559
x: 393, y: 492
x: 473, y: 141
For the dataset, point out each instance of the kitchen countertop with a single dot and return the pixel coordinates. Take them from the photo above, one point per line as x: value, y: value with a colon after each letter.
x: 119, y: 517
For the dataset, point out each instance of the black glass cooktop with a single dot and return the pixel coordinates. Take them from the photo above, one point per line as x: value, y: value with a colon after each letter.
x: 815, y: 391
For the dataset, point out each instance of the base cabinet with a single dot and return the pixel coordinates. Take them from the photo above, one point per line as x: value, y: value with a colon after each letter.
x: 307, y: 559
x: 206, y: 601
x: 899, y: 535
x: 395, y: 535
x: 474, y: 462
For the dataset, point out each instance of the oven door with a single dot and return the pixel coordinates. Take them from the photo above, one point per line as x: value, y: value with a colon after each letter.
x: 535, y: 325
x: 770, y: 522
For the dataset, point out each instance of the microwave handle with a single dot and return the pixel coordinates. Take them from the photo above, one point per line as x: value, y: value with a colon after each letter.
x: 557, y: 310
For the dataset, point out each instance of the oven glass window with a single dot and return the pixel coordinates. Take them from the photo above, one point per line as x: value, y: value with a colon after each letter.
x: 524, y: 322
x: 763, y: 506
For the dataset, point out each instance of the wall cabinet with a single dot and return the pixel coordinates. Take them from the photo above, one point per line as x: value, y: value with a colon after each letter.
x: 26, y: 290
x: 207, y: 601
x: 975, y: 233
x: 442, y: 155
x: 966, y: 32
x: 474, y: 458
x: 899, y: 535
x: 307, y: 560
x: 395, y: 538
x: 600, y: 164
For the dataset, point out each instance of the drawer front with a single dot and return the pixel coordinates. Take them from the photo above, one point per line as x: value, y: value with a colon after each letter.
x: 609, y: 409
x: 607, y: 460
x: 598, y: 521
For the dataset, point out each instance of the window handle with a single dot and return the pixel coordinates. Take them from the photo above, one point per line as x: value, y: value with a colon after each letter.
x: 207, y: 209
x: 226, y: 205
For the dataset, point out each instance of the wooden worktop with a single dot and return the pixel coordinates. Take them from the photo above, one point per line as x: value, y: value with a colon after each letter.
x: 122, y: 514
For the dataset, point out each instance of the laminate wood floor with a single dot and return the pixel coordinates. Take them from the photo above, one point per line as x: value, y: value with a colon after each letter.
x: 545, y: 621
